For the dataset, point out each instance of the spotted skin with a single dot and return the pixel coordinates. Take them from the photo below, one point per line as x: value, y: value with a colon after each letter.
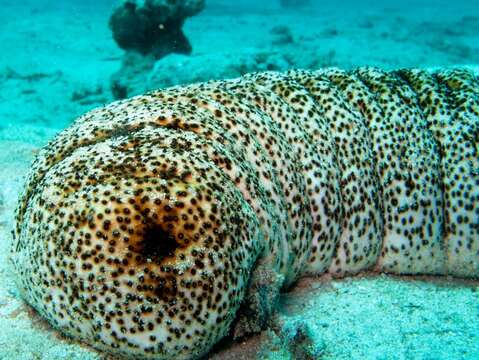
x: 141, y: 223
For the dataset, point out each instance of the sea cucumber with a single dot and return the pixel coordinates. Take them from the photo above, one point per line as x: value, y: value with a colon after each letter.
x: 140, y: 225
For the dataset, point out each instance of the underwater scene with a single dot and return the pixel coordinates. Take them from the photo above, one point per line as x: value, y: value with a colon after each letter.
x: 214, y: 179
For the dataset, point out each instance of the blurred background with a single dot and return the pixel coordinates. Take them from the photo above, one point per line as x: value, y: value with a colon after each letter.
x: 60, y: 59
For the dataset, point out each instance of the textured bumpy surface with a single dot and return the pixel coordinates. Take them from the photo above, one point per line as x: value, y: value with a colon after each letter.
x: 141, y: 224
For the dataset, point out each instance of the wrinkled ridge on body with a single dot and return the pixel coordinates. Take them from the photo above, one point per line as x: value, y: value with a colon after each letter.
x: 141, y: 223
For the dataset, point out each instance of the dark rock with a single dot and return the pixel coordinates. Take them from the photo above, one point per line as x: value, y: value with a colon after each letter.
x: 148, y: 30
x: 153, y: 26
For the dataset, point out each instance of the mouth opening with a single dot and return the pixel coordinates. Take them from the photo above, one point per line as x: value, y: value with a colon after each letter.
x: 157, y: 243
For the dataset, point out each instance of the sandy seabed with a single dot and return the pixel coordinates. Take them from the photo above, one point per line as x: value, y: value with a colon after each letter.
x: 56, y: 62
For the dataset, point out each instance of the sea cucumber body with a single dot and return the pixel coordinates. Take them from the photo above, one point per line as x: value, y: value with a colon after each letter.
x: 141, y: 223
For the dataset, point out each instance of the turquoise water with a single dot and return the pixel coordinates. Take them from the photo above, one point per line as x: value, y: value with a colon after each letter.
x: 53, y: 51
x: 59, y: 60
